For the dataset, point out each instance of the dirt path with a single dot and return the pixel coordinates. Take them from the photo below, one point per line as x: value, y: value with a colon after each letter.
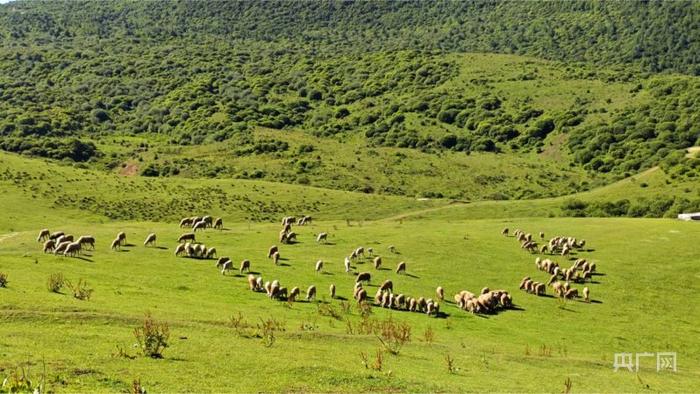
x: 3, y: 237
x: 692, y: 151
x: 422, y: 211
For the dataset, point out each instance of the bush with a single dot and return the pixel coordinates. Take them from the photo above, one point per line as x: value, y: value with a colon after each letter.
x: 81, y: 290
x: 152, y: 337
x: 55, y: 282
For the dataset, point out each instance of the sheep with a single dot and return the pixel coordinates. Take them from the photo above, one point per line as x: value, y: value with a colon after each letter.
x: 190, y: 250
x: 540, y: 289
x: 276, y: 258
x: 252, y: 282
x: 245, y: 266
x: 186, y: 222
x: 60, y: 248
x: 180, y: 249
x: 222, y: 260
x: 388, y: 285
x: 485, y: 290
x: 571, y: 293
x: 274, y: 288
x: 392, y: 249
x: 356, y: 288
x: 208, y: 220
x: 201, y: 225
x: 363, y: 277
x: 44, y: 234
x: 282, y: 237
x: 504, y: 232
x: 210, y: 253
x: 319, y: 266
x: 56, y: 234
x: 347, y: 264
x: 386, y: 300
x: 420, y: 304
x: 332, y: 290
x: 219, y: 224
x: 72, y: 249
x: 361, y: 296
x: 440, y: 293
x: 522, y: 282
x: 544, y: 249
x: 293, y: 294
x: 432, y: 308
x: 353, y: 255
x: 259, y: 283
x: 377, y: 262
x: 541, y: 234
x: 226, y: 266
x: 273, y: 249
x: 412, y: 305
x: 370, y: 252
x: 322, y: 237
x: 267, y: 287
x: 586, y: 294
x: 287, y: 228
x: 281, y: 293
x: 377, y: 297
x: 310, y: 293
x: 150, y: 240
x: 64, y: 238
x: 360, y: 252
x: 558, y: 288
x: 186, y: 237
x: 121, y: 236
x: 116, y: 244
x: 291, y: 237
x: 401, y: 268
x: 399, y: 301
x: 506, y: 300
x: 49, y: 245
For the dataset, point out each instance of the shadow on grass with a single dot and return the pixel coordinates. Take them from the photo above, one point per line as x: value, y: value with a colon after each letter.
x: 327, y: 273
x: 284, y: 265
x: 84, y: 259
x: 161, y: 247
x: 413, y: 276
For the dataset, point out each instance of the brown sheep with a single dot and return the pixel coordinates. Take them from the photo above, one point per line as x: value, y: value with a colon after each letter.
x: 282, y: 237
x: 322, y: 237
x: 293, y: 294
x: 44, y: 234
x: 180, y: 249
x: 219, y: 224
x: 273, y: 249
x: 150, y: 240
x: 388, y: 285
x: 221, y: 261
x: 571, y: 293
x: 121, y: 236
x: 412, y: 304
x: 558, y: 288
x: 274, y: 288
x: 440, y: 292
x: 357, y: 288
x: 377, y: 262
x: 201, y: 225
x: 226, y: 266
x: 586, y: 294
x: 310, y: 293
x: 276, y: 258
x: 361, y: 296
x: 332, y: 290
x: 401, y: 267
x: 186, y: 237
x: 245, y: 266
x: 522, y: 282
x: 116, y: 244
x: 291, y: 237
x: 186, y: 222
x: 319, y: 266
x: 485, y: 290
x: 72, y: 249
x: 56, y: 234
x: 377, y: 297
x: 363, y: 277
x: 392, y: 249
x: 49, y: 245
x: 504, y: 231
x: 540, y: 288
x: 210, y: 253
x: 64, y: 238
x: 259, y: 283
x: 541, y: 234
x: 268, y: 287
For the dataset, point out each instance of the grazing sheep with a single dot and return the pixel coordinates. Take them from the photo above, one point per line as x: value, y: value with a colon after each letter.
x: 322, y: 237
x: 506, y: 300
x: 190, y: 250
x: 358, y: 287
x: 186, y: 237
x: 180, y: 249
x: 361, y: 296
x: 388, y: 285
x: 86, y: 240
x: 259, y: 283
x: 363, y: 277
x: 412, y: 305
x: 186, y: 222
x: 541, y: 234
x: 485, y: 290
x: 347, y: 264
x: 293, y: 294
x: 72, y: 249
x: 226, y: 266
x: 267, y: 287
x: 150, y: 240
x: 522, y: 282
x: 64, y: 238
x: 353, y: 255
x: 377, y: 297
x: 252, y: 282
x: 592, y: 267
x: 392, y: 248
x: 220, y: 262
x: 56, y: 234
x: 420, y: 304
x: 210, y: 253
x: 276, y: 258
x: 116, y: 244
x: 377, y: 262
x: 387, y: 299
x: 283, y: 237
x: 310, y: 293
x: 432, y: 308
x: 121, y: 236
x: 504, y: 231
x: 552, y: 279
x: 208, y: 220
x: 440, y: 292
x: 332, y: 290
x: 586, y: 294
x: 273, y: 249
x: 544, y: 249
x: 401, y: 268
x: 399, y: 301
x: 540, y: 289
x: 360, y: 252
x: 287, y: 228
x: 219, y: 224
x: 201, y: 225
x: 44, y: 234
x: 49, y: 245
x: 370, y: 252
x: 571, y: 293
x: 61, y: 247
x: 245, y: 266
x: 319, y: 266
x: 281, y: 293
x: 291, y: 237
x: 274, y: 288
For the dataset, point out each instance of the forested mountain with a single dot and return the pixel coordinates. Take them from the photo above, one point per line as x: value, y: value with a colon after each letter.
x: 618, y: 95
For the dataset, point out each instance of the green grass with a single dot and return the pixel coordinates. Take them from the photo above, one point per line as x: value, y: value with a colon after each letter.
x: 645, y: 299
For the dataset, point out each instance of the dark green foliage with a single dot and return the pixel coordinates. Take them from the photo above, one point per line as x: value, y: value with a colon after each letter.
x: 653, y: 208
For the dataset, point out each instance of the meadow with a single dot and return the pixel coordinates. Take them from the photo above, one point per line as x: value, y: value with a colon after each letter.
x: 643, y: 299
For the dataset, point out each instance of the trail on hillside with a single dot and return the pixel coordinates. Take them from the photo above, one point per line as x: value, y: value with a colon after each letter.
x: 692, y: 151
x: 4, y: 237
x: 423, y: 211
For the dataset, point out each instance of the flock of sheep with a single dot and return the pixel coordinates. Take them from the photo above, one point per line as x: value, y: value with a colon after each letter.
x: 560, y: 278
